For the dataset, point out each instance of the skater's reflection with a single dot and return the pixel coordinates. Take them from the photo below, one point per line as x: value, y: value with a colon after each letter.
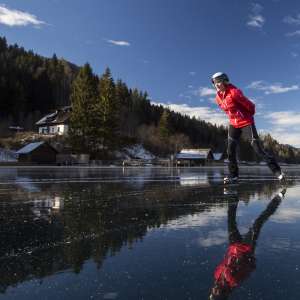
x: 239, y: 260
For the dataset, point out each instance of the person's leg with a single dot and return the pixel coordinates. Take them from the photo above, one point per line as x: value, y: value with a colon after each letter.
x: 233, y: 139
x: 253, y: 233
x: 234, y: 235
x: 250, y: 133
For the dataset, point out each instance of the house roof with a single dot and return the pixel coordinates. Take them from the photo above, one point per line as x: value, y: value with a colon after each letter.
x: 29, y: 147
x: 193, y: 154
x: 59, y: 116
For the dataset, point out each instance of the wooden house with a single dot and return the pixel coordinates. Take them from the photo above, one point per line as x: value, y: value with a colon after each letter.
x: 194, y: 157
x: 37, y: 153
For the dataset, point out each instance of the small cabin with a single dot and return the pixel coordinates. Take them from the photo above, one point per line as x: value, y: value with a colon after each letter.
x: 194, y: 157
x: 37, y: 153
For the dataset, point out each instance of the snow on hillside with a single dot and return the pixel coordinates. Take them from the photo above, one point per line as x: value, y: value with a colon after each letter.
x: 136, y: 152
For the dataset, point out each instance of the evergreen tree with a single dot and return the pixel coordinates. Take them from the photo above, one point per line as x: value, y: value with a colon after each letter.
x: 84, y: 127
x: 164, y: 125
x: 108, y: 106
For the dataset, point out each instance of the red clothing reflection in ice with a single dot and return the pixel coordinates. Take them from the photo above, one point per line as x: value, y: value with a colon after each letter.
x: 238, y: 263
x: 239, y: 260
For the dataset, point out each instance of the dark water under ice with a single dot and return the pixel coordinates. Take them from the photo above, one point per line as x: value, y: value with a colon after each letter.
x: 148, y: 233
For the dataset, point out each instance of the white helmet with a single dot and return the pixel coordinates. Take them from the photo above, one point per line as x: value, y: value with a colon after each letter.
x: 219, y: 76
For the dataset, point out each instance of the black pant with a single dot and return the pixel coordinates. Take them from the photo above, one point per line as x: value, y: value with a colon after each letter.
x: 251, y: 236
x: 249, y: 133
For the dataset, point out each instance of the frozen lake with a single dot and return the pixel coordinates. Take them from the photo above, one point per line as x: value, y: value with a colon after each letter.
x: 148, y: 233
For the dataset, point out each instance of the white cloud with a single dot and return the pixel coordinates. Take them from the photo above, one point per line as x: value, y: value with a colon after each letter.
x: 294, y: 54
x: 192, y: 73
x: 215, y: 238
x: 12, y: 17
x: 287, y: 215
x: 119, y: 43
x: 203, y: 219
x: 284, y: 118
x: 205, y: 91
x: 287, y: 137
x: 204, y: 113
x: 200, y: 92
x: 256, y: 19
x: 284, y: 127
x: 275, y: 88
x: 292, y: 20
x: 294, y: 33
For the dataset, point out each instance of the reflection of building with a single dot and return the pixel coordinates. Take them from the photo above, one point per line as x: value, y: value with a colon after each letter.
x: 55, y: 123
x: 39, y: 152
x: 27, y: 184
x: 44, y: 207
x: 190, y: 180
x: 219, y: 156
x: 7, y: 155
x: 58, y: 203
x: 194, y: 157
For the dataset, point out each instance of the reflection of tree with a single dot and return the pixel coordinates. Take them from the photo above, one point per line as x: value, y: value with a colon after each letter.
x: 239, y: 260
x: 93, y: 223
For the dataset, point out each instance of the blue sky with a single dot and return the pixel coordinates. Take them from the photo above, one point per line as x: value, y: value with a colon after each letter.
x: 170, y: 48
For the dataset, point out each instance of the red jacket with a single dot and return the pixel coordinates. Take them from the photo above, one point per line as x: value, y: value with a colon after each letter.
x: 237, y: 265
x: 239, y: 109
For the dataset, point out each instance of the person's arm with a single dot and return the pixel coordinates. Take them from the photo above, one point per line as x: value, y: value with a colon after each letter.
x: 238, y: 97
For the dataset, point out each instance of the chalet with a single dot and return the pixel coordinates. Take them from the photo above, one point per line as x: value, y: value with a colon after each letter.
x: 39, y: 153
x: 194, y: 157
x: 56, y: 122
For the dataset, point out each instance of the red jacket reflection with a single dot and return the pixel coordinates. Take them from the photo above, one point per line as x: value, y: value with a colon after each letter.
x: 238, y: 263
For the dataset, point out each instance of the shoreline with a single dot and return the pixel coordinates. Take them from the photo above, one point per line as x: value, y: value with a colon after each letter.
x: 15, y: 166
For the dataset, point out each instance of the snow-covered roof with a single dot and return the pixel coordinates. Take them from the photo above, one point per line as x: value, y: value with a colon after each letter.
x: 57, y: 117
x: 193, y: 154
x: 47, y: 117
x: 196, y: 151
x: 29, y: 148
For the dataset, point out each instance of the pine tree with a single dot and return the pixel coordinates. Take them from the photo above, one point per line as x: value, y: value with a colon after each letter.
x: 84, y: 123
x: 164, y: 125
x: 108, y: 106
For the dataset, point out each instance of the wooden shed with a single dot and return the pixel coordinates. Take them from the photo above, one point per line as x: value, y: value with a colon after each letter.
x: 37, y: 153
x: 194, y: 157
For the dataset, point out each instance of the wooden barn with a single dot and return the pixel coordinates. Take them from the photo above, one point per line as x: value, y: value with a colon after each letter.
x: 194, y: 157
x: 37, y: 153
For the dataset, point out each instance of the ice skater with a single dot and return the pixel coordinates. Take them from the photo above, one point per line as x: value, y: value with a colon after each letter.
x: 240, y: 111
x: 239, y: 260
